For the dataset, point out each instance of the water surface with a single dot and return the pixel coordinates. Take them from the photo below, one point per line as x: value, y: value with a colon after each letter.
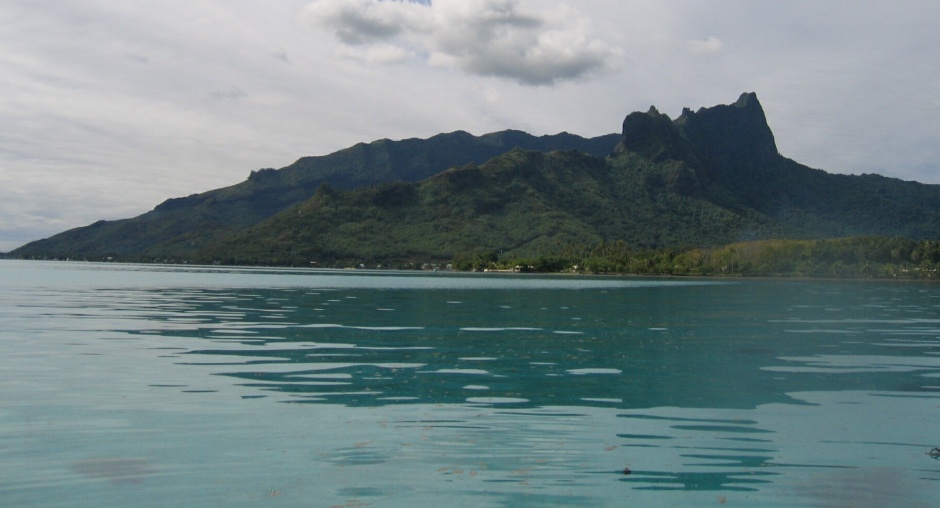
x: 153, y: 385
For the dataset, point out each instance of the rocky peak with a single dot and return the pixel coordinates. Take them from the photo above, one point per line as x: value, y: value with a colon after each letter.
x: 731, y: 135
x: 654, y: 136
x: 726, y: 138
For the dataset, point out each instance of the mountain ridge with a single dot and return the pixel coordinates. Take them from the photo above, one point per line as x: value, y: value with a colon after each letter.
x: 708, y: 177
x: 215, y: 213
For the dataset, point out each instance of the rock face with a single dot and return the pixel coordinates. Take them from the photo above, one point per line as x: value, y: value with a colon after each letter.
x: 654, y: 136
x: 721, y: 141
x: 734, y: 136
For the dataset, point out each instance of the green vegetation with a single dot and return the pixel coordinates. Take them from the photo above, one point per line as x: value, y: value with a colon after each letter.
x: 705, y: 194
x: 178, y: 227
x: 855, y: 257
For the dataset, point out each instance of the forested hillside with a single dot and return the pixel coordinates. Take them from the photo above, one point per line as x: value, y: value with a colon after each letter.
x: 704, y: 180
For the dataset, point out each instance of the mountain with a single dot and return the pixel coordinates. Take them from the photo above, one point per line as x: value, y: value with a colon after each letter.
x: 708, y: 177
x: 178, y: 225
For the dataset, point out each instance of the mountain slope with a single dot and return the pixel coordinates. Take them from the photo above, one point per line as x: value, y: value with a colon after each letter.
x: 519, y: 203
x: 179, y: 225
x: 727, y: 154
x: 708, y: 177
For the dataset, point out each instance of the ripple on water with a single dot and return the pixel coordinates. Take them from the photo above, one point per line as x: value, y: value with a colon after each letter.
x: 497, y: 400
x: 386, y: 328
x: 365, y: 328
x: 584, y: 372
x: 475, y: 372
x: 499, y: 329
x: 847, y: 364
x: 597, y: 399
x: 118, y: 470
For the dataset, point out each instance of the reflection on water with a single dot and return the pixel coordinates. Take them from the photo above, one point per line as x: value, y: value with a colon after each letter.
x: 215, y: 386
x: 366, y: 347
x: 115, y: 469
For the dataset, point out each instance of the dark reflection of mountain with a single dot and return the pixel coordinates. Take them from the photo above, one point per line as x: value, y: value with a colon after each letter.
x: 717, y: 346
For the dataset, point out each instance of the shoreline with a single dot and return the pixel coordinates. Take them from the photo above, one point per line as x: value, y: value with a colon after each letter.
x: 492, y: 272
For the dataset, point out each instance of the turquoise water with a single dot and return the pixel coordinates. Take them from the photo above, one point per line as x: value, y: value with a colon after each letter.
x: 124, y: 385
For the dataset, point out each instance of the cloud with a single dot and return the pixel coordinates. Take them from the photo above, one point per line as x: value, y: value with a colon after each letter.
x: 367, y: 21
x: 231, y: 93
x: 386, y: 54
x: 709, y: 45
x: 506, y: 39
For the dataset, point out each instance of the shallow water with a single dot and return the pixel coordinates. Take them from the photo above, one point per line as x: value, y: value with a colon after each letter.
x: 152, y: 386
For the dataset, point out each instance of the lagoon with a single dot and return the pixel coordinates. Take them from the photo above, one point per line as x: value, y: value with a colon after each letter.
x: 149, y: 385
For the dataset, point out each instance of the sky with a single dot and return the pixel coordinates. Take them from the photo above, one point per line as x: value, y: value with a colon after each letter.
x: 109, y: 108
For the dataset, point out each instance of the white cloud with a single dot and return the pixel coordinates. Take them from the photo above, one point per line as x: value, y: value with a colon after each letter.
x: 489, y: 94
x: 507, y: 39
x: 375, y: 54
x: 386, y: 54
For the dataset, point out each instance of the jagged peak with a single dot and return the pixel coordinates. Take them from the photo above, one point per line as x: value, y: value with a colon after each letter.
x: 746, y: 99
x: 725, y: 135
x: 737, y: 132
x: 652, y: 111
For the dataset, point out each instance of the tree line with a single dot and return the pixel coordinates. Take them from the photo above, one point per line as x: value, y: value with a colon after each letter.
x: 859, y: 257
